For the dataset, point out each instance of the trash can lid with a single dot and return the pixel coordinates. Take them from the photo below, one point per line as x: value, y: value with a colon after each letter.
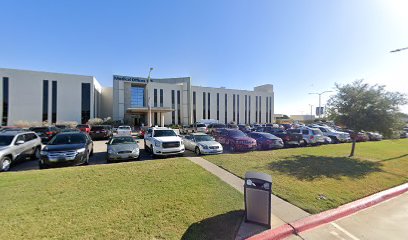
x: 257, y: 175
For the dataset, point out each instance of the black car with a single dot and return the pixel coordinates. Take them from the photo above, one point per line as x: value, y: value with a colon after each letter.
x: 45, y: 133
x: 70, y: 148
x: 100, y: 132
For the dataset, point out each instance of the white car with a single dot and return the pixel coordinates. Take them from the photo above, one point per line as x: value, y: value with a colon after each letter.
x: 163, y: 141
x: 201, y: 143
x: 336, y: 136
x: 124, y: 130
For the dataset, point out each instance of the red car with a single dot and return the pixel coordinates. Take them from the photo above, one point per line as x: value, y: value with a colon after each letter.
x: 235, y: 140
x: 84, y: 128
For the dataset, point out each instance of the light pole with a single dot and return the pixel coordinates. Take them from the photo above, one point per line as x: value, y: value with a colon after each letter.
x: 320, y: 100
x: 148, y: 98
x: 311, y: 111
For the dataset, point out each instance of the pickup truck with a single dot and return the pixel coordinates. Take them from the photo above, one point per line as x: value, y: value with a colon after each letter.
x: 290, y: 139
x: 124, y: 130
x: 163, y: 141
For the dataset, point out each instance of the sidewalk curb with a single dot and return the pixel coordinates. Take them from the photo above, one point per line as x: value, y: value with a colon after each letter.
x: 330, y: 215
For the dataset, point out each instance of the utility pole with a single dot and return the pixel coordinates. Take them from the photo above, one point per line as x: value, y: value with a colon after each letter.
x: 311, y: 111
x: 320, y: 101
x: 149, y: 107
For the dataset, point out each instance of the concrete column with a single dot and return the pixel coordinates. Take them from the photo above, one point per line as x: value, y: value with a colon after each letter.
x: 162, y: 119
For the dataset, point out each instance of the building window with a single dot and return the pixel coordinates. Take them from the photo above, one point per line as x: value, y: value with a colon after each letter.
x: 226, y: 107
x: 54, y: 102
x: 178, y: 108
x: 155, y: 119
x: 85, y: 102
x: 237, y: 108
x: 246, y: 109
x: 233, y: 107
x: 5, y: 101
x: 155, y: 98
x: 270, y: 109
x: 260, y: 109
x: 173, y: 106
x: 203, y: 105
x: 249, y: 109
x: 161, y: 97
x: 218, y: 106
x: 45, y: 101
x: 137, y: 97
x: 209, y: 107
x: 256, y: 109
x: 267, y: 107
x: 194, y: 107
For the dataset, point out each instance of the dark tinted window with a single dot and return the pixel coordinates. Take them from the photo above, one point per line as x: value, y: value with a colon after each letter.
x: 54, y: 102
x: 85, y: 102
x: 200, y: 125
x: 97, y: 128
x: 68, y: 139
x: 39, y: 129
x: 5, y: 100
x: 82, y: 126
x: 164, y: 133
x: 236, y: 134
x: 305, y: 132
x: 6, y: 140
x: 45, y: 101
x: 122, y: 140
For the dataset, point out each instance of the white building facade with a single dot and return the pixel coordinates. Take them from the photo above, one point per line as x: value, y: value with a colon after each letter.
x: 175, y: 101
x: 35, y: 96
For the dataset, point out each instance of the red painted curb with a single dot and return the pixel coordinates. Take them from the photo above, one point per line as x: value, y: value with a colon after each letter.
x: 277, y: 233
x: 330, y: 215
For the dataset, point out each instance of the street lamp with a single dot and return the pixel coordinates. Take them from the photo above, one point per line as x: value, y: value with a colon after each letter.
x: 320, y: 100
x: 311, y: 111
x: 399, y: 49
x: 148, y: 98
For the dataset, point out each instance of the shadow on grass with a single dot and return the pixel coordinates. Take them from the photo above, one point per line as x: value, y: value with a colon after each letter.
x: 394, y: 158
x: 309, y: 167
x: 224, y: 226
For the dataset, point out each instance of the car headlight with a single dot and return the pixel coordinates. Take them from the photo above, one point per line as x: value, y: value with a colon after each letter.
x: 157, y: 143
x: 181, y: 142
x: 136, y: 150
x: 110, y: 151
x: 204, y: 146
x: 44, y: 153
x: 81, y: 150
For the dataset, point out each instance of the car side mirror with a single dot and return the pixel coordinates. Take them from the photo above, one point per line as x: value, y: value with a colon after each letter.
x: 106, y: 143
x: 137, y: 141
x: 19, y: 142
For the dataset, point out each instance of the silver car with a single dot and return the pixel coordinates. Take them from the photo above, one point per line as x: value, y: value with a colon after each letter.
x: 201, y: 143
x: 122, y: 148
x: 311, y: 136
x: 18, y: 145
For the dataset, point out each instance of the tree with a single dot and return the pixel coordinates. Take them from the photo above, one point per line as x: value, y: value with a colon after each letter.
x: 360, y: 106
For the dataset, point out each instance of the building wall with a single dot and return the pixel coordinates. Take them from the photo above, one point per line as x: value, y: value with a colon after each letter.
x: 106, y: 102
x: 26, y: 95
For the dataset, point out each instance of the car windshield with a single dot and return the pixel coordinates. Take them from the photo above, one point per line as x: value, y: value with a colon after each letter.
x: 122, y: 140
x: 39, y: 129
x: 236, y: 134
x: 61, y: 139
x: 317, y: 132
x: 164, y: 133
x: 200, y: 125
x: 6, y: 140
x: 218, y: 126
x: 203, y: 138
x: 97, y: 128
x: 82, y: 126
x: 124, y: 128
x: 293, y: 130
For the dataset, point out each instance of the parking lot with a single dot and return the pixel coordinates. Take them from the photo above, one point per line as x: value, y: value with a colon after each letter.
x: 99, y: 157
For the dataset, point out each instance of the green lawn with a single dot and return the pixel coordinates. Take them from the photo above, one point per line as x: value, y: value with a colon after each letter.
x: 321, y: 178
x: 161, y: 199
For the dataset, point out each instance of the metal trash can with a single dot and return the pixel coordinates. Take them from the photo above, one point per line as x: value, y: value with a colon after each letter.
x: 257, y: 194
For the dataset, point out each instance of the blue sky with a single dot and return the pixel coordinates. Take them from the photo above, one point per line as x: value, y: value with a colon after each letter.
x: 298, y: 46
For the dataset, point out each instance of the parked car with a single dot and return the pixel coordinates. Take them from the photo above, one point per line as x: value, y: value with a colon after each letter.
x: 61, y: 126
x: 215, y: 126
x: 70, y: 130
x: 84, y: 128
x: 361, y: 137
x: 311, y: 136
x: 69, y: 148
x: 201, y: 143
x: 124, y: 130
x: 45, y: 133
x: 235, y: 140
x: 100, y: 132
x: 373, y: 136
x: 16, y: 146
x: 266, y: 141
x: 122, y: 148
x: 163, y: 141
x: 244, y: 128
x: 335, y: 135
x: 193, y: 128
x: 290, y: 139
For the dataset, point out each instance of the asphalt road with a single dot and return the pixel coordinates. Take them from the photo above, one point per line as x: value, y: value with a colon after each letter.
x: 99, y: 157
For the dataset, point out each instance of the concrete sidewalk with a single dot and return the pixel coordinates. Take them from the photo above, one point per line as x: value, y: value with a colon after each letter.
x: 282, y: 211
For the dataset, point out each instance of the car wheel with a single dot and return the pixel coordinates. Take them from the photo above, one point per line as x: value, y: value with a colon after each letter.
x: 36, y: 155
x: 303, y: 143
x: 5, y: 163
x: 152, y: 152
x: 197, y: 151
x: 42, y: 165
x: 91, y: 154
x: 87, y: 159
